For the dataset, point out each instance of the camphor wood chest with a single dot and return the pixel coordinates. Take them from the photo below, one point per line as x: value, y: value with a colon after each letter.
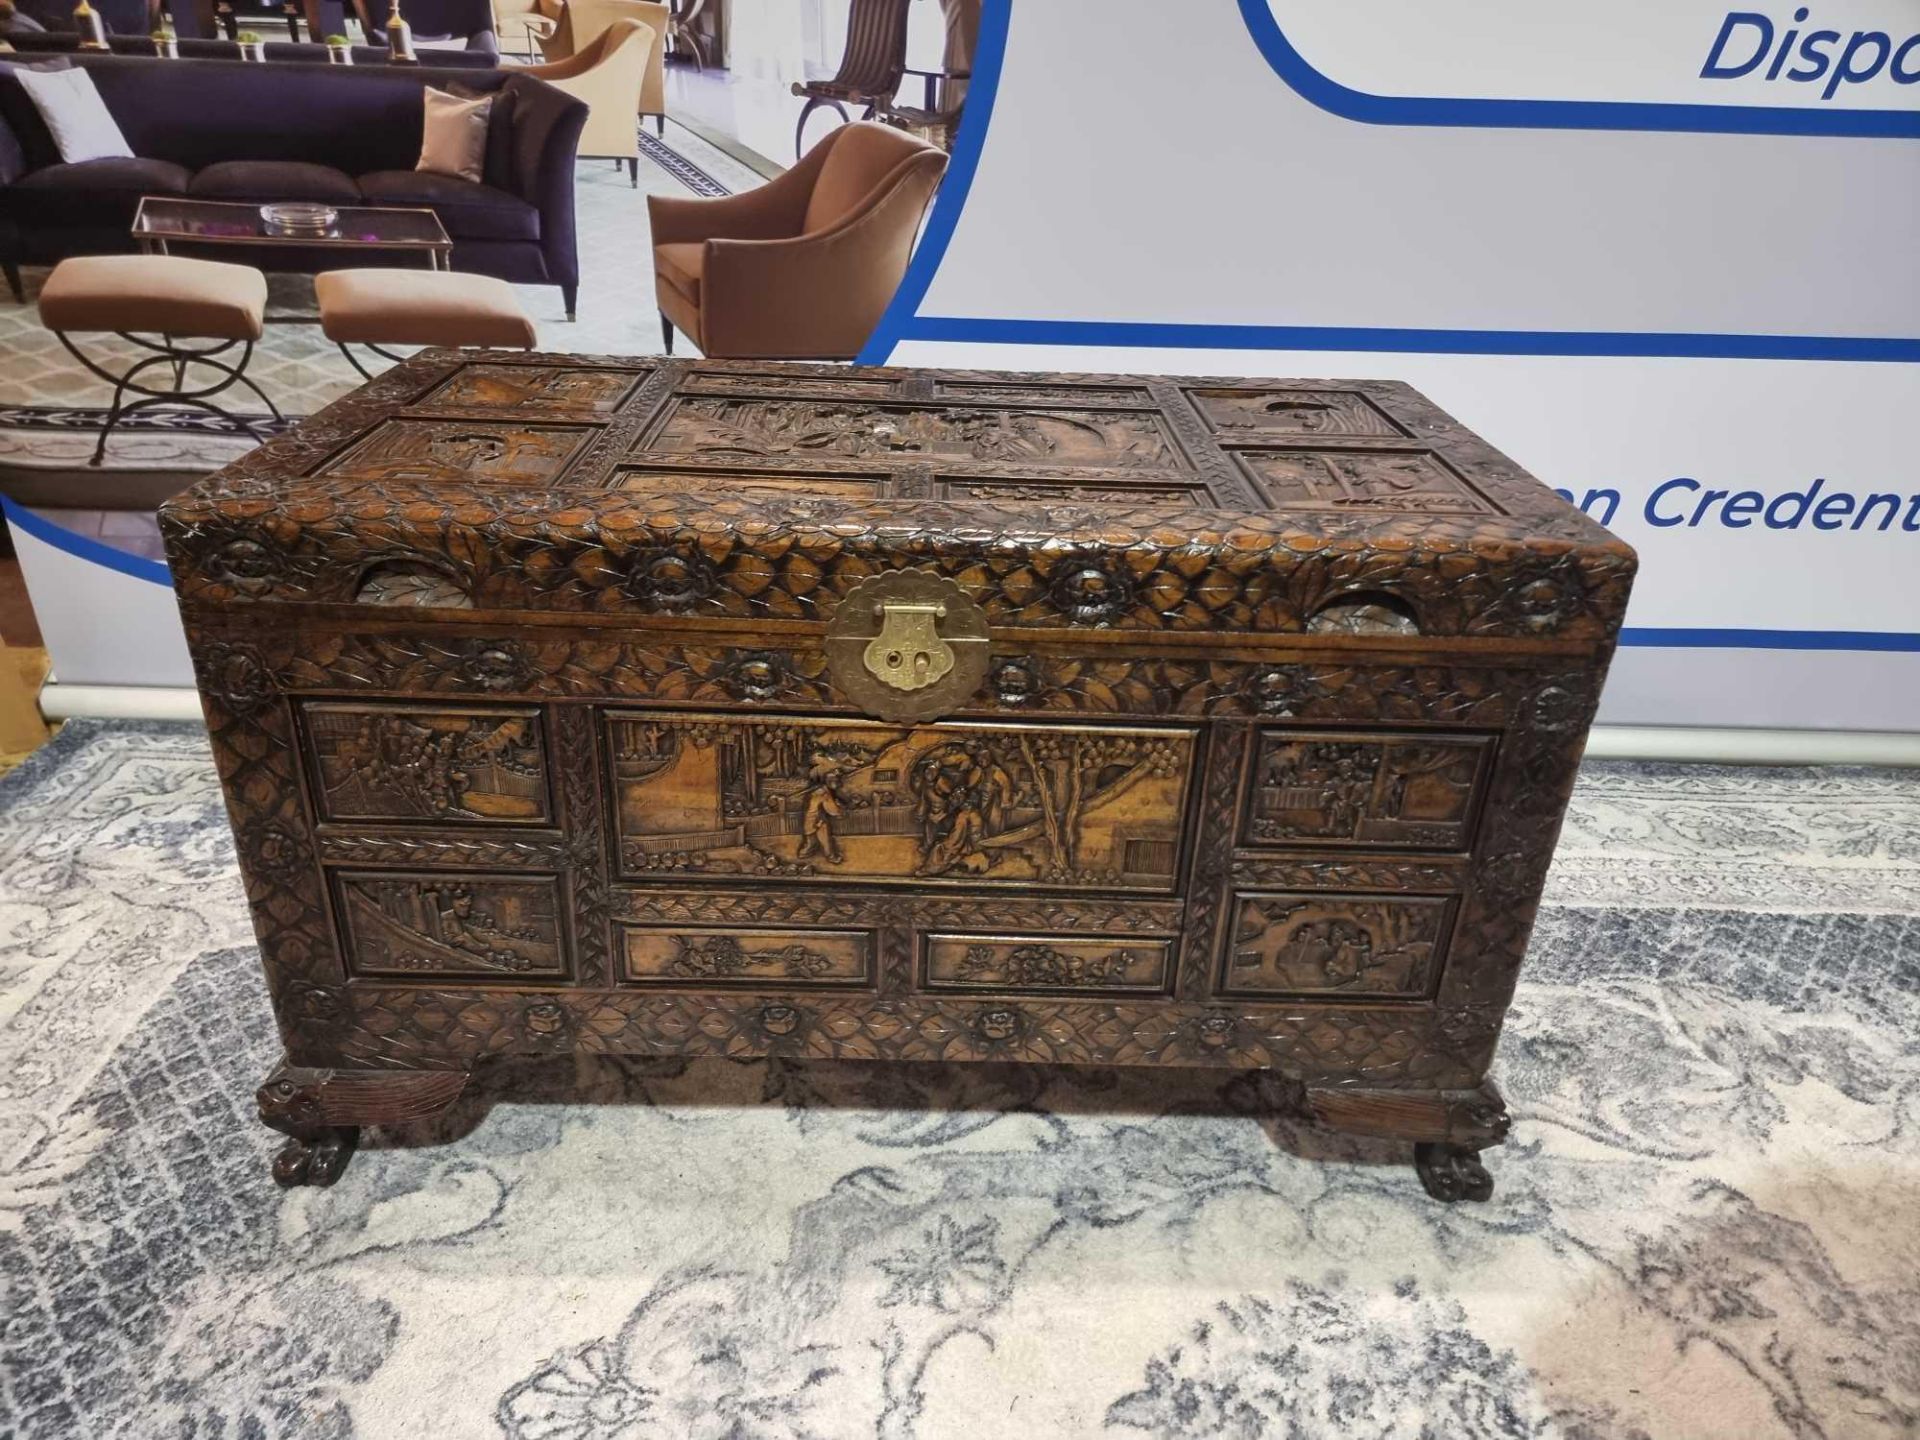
x: 663, y: 707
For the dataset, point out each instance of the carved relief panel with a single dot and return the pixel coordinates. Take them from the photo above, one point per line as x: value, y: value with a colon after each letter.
x: 396, y: 764
x: 762, y: 959
x: 1040, y: 491
x: 463, y: 451
x: 755, y: 428
x: 1233, y: 412
x: 492, y: 927
x: 1031, y: 392
x: 1406, y: 792
x: 790, y: 490
x: 1321, y: 945
x: 536, y: 390
x: 1415, y: 481
x: 840, y: 384
x: 1046, y: 964
x: 829, y: 801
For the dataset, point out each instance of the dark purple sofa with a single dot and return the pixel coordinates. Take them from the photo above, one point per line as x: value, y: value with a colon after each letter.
x: 233, y: 130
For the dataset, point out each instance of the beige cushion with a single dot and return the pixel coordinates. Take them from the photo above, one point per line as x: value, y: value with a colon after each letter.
x: 164, y: 294
x: 454, y: 139
x: 680, y: 266
x: 421, y: 307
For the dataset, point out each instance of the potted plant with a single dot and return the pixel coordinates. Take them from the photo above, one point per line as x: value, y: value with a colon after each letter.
x: 251, y: 46
x: 164, y: 45
x: 339, y: 50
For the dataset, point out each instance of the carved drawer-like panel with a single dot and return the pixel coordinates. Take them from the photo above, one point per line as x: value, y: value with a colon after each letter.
x: 395, y: 764
x: 1412, y: 792
x: 1336, y: 945
x: 452, y: 925
x: 1046, y: 964
x: 836, y: 801
x: 762, y: 959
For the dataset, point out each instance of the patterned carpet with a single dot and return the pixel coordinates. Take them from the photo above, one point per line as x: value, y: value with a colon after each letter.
x: 53, y: 408
x: 1708, y: 1224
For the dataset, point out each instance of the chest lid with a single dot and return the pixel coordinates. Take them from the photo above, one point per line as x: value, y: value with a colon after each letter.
x: 744, y: 493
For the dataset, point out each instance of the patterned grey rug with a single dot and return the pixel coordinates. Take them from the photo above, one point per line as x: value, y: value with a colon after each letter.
x: 1708, y: 1224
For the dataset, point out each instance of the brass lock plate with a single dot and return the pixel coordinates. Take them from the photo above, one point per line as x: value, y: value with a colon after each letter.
x: 907, y: 645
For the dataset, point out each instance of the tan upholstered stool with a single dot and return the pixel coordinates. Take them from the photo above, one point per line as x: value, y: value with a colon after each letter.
x: 376, y: 308
x: 176, y: 299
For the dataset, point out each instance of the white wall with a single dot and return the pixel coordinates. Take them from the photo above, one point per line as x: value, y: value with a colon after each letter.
x: 1625, y: 275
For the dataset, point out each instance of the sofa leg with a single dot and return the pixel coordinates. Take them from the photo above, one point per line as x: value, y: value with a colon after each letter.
x: 12, y: 272
x: 633, y: 171
x: 570, y: 295
x: 666, y: 332
x: 660, y: 124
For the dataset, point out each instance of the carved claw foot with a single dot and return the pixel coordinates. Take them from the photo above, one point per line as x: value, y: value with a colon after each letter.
x: 321, y: 1111
x: 1452, y: 1173
x: 317, y: 1161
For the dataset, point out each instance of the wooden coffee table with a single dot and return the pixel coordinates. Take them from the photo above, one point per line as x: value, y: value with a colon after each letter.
x: 165, y: 220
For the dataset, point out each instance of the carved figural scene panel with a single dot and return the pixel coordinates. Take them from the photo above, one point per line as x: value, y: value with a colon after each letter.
x: 536, y: 390
x: 1064, y: 490
x: 1045, y: 964
x: 1236, y: 412
x: 839, y: 800
x: 794, y: 490
x: 764, y: 959
x: 1306, y: 944
x: 398, y: 764
x: 1411, y: 792
x: 748, y: 427
x: 1387, y: 480
x: 439, y: 451
x: 495, y: 927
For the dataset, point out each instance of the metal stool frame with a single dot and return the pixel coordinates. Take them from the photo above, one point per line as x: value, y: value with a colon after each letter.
x: 354, y: 360
x: 180, y: 357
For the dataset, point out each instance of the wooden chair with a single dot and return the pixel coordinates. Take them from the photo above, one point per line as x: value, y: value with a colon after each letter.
x: 609, y: 73
x: 579, y: 21
x: 935, y: 123
x: 871, y: 68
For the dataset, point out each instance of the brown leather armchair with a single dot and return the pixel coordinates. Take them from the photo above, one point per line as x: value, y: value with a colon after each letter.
x: 802, y: 267
x: 606, y: 73
x: 578, y: 22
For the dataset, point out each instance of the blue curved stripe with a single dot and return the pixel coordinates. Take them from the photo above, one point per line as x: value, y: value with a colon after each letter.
x: 1369, y: 109
x: 83, y: 548
x: 1685, y: 638
x: 1157, y: 335
x: 990, y: 48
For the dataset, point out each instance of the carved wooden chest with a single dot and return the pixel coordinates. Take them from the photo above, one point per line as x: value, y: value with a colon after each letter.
x: 663, y: 707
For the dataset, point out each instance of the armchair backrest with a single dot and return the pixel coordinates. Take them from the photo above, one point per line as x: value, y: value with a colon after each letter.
x: 876, y: 55
x: 862, y: 159
x: 589, y: 18
x: 606, y: 74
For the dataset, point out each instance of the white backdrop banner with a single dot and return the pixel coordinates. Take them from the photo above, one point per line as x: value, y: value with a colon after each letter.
x: 1661, y: 252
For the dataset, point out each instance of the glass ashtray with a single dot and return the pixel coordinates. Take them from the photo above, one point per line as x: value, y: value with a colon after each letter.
x: 296, y: 218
